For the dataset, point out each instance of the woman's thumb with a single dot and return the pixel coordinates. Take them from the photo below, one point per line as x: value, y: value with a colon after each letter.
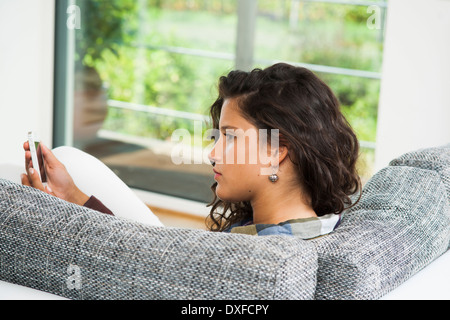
x: 49, y: 157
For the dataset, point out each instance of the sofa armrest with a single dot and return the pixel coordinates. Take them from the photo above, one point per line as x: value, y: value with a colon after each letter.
x: 77, y: 253
x: 436, y: 159
x: 399, y: 227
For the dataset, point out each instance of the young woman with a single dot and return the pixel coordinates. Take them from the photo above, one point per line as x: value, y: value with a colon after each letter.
x: 298, y: 182
x: 316, y: 156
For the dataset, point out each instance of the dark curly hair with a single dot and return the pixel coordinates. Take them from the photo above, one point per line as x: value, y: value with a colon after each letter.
x: 321, y: 143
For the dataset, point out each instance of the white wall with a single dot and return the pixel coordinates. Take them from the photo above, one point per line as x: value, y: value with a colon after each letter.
x: 414, y: 109
x: 26, y: 74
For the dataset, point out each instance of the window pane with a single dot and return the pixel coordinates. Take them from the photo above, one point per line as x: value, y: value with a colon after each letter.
x: 330, y: 34
x: 145, y: 68
x: 342, y: 43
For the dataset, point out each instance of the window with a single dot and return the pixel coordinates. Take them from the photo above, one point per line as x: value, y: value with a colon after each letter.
x: 128, y: 73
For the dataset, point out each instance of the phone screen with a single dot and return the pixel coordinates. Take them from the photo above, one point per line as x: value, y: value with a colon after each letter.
x: 37, y: 158
x: 40, y: 160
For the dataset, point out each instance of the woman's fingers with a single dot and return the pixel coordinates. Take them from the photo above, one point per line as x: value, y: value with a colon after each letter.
x: 49, y: 158
x: 34, y: 179
x: 26, y: 147
x: 59, y: 182
x: 25, y: 181
x: 49, y: 190
x: 27, y: 160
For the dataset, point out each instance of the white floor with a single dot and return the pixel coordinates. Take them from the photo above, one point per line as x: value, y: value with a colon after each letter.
x: 9, y: 291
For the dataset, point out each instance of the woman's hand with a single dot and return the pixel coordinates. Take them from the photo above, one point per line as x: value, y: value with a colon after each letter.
x: 59, y: 181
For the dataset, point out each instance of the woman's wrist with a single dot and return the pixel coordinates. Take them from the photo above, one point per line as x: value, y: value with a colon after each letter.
x: 78, y: 197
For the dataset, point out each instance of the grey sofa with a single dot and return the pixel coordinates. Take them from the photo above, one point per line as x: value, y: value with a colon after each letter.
x: 401, y: 225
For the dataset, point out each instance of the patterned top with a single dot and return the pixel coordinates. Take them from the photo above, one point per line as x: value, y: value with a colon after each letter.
x: 305, y: 228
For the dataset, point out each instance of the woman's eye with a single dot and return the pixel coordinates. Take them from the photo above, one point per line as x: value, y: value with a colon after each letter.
x: 229, y: 137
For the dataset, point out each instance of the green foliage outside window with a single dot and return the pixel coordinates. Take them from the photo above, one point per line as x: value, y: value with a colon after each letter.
x: 120, y: 39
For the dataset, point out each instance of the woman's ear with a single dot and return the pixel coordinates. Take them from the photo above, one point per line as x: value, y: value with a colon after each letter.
x: 282, y: 153
x: 277, y: 155
x: 282, y: 149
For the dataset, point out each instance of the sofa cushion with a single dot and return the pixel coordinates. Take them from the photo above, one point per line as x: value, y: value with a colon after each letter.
x: 74, y: 252
x: 436, y: 159
x: 400, y: 225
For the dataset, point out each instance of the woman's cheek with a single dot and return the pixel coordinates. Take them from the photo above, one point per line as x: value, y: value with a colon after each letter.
x: 229, y: 151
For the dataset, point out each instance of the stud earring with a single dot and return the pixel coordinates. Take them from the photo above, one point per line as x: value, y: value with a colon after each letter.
x: 273, y: 178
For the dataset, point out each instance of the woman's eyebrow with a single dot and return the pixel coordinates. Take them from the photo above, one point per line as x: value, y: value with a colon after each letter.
x: 228, y: 127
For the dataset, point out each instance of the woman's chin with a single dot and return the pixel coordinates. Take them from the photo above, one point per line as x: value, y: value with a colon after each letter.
x: 223, y: 195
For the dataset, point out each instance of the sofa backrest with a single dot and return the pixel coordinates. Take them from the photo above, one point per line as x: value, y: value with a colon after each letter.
x: 401, y: 224
x: 435, y: 159
x: 74, y: 252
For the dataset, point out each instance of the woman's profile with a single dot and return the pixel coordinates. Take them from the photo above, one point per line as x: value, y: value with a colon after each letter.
x: 303, y: 189
x: 316, y: 158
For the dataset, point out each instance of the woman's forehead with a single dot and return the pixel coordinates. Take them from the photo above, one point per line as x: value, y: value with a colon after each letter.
x: 231, y: 117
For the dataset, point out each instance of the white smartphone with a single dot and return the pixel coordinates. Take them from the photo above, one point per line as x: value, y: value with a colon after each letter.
x: 36, y: 156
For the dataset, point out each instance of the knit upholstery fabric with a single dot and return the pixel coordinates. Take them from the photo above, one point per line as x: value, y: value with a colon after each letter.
x: 61, y: 248
x: 401, y: 224
x: 436, y: 159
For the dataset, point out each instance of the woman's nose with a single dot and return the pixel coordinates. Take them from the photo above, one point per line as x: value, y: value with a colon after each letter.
x: 211, y: 157
x: 214, y: 155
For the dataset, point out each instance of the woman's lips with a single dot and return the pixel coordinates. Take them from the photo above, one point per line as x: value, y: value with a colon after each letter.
x: 217, y: 174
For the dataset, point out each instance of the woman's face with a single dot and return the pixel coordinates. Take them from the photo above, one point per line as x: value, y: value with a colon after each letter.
x: 241, y: 165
